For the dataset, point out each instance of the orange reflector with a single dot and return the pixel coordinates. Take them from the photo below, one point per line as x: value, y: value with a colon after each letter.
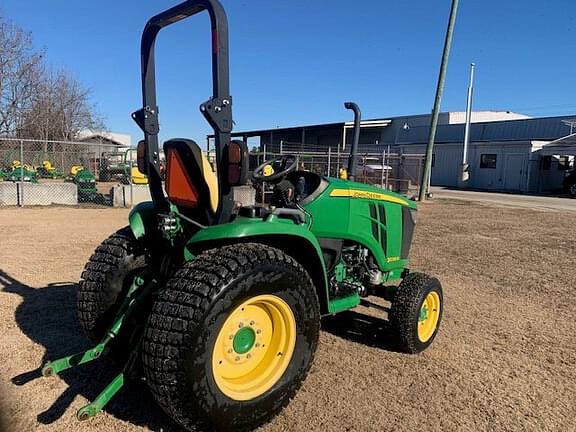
x: 178, y: 185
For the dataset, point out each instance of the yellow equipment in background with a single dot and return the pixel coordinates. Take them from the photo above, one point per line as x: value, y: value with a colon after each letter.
x: 17, y: 164
x: 137, y: 176
x: 74, y: 170
x: 47, y: 165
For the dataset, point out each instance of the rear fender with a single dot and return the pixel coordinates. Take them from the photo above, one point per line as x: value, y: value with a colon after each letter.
x: 142, y: 219
x: 293, y: 239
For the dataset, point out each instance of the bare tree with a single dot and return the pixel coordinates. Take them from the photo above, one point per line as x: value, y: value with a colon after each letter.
x: 21, y: 72
x: 60, y: 110
x: 35, y: 102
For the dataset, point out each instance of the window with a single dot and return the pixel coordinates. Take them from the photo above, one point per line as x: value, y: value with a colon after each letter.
x: 563, y: 163
x: 488, y: 161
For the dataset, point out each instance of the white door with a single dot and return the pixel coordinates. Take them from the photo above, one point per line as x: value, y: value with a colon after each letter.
x: 514, y: 171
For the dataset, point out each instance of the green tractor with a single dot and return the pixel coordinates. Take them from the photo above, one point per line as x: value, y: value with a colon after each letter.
x: 86, y: 185
x: 22, y: 173
x: 113, y: 167
x: 219, y: 305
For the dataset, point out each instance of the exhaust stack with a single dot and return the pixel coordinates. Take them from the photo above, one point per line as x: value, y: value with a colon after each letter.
x: 352, y: 160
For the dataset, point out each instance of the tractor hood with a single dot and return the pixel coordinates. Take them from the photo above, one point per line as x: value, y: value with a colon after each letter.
x: 351, y: 189
x: 378, y: 219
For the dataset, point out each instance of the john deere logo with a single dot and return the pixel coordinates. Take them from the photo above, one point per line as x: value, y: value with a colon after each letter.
x: 361, y: 194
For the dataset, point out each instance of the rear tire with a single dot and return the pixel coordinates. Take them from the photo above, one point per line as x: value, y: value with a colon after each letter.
x: 106, y: 276
x: 190, y: 344
x: 416, y: 312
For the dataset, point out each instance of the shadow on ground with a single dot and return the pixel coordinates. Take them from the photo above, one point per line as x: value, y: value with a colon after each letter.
x: 360, y: 328
x: 47, y: 316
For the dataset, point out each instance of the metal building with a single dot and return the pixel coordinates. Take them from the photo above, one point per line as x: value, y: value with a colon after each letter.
x: 508, y: 151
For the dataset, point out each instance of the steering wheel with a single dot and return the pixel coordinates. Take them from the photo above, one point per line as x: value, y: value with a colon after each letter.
x: 275, y: 169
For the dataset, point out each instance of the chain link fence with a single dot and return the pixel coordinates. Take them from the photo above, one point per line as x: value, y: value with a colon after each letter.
x: 379, y: 167
x: 35, y: 172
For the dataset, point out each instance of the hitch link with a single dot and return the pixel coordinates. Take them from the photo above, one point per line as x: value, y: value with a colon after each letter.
x: 138, y: 291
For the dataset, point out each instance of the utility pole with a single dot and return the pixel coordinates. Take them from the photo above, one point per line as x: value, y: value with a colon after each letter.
x: 465, y: 174
x: 424, y: 181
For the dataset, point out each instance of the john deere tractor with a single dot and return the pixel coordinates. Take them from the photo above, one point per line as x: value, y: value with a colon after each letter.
x: 218, y: 305
x: 21, y: 172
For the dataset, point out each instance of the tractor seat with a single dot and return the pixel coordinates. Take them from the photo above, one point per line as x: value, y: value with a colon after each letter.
x: 191, y: 183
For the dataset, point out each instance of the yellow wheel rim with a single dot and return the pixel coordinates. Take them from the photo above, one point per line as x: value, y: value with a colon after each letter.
x: 428, y: 316
x: 254, y: 347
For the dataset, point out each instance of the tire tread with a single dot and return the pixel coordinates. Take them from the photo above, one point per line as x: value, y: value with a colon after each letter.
x: 182, y: 306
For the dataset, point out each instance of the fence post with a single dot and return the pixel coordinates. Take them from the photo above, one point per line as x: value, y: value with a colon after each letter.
x: 329, y: 154
x: 129, y: 160
x: 387, y: 164
x: 97, y: 162
x: 384, y: 168
x: 21, y: 203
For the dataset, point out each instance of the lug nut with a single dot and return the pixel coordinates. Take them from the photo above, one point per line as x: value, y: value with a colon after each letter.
x: 230, y: 351
x: 237, y: 358
x: 258, y: 331
x: 248, y: 355
x: 251, y: 323
x: 241, y: 325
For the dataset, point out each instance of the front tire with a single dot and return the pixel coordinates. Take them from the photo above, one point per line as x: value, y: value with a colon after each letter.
x: 231, y: 337
x: 416, y: 312
x: 106, y: 276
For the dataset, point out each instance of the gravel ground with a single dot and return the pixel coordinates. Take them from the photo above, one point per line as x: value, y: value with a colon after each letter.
x: 504, y: 359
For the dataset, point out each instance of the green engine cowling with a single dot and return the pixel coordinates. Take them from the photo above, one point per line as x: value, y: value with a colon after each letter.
x: 379, y: 220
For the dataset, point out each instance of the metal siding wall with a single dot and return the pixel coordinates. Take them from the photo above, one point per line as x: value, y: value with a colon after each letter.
x: 494, y: 179
x: 447, y: 160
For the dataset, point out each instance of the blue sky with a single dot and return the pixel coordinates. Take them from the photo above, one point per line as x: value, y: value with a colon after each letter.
x: 295, y: 61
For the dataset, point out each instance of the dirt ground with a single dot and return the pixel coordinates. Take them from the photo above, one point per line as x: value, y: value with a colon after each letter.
x: 504, y: 359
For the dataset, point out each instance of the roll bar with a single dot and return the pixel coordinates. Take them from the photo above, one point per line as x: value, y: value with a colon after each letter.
x: 352, y: 160
x: 217, y: 110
